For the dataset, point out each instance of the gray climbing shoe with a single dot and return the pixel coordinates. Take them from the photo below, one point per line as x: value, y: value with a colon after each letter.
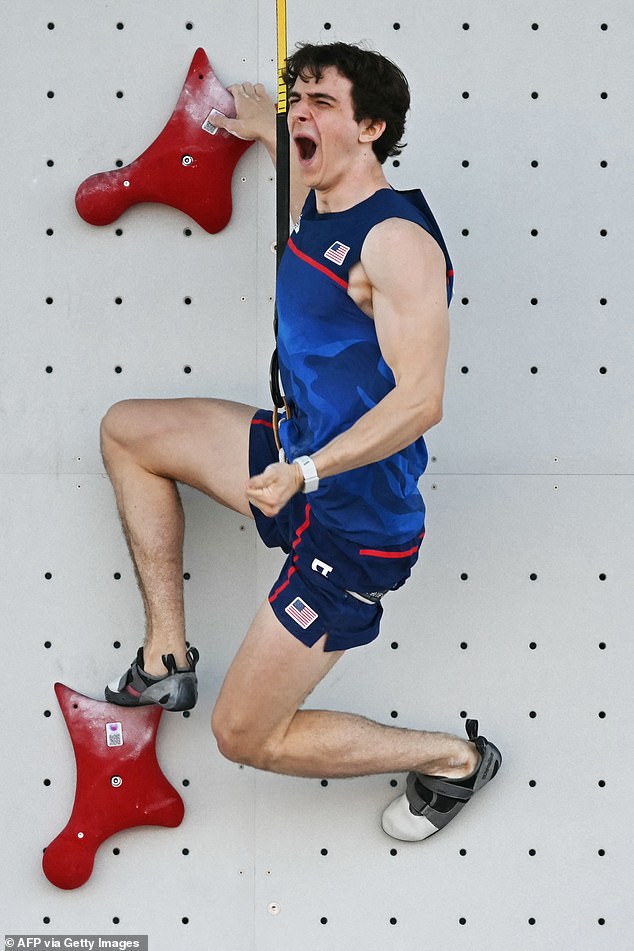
x: 429, y: 803
x: 176, y: 690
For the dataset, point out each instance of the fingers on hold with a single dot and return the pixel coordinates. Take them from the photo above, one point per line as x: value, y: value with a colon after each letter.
x: 248, y: 90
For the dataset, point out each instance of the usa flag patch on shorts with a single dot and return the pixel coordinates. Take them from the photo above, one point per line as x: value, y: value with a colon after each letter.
x: 301, y: 613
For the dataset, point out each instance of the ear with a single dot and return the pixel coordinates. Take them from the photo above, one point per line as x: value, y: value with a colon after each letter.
x: 371, y: 129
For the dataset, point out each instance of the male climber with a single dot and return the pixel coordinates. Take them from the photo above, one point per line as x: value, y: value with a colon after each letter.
x: 362, y: 297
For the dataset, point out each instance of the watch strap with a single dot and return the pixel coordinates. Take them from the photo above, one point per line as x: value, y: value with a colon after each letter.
x: 309, y: 471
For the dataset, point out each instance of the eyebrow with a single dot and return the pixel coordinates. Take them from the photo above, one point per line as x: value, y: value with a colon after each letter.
x: 312, y: 95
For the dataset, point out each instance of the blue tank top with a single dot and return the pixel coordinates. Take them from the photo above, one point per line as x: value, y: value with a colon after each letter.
x: 333, y: 372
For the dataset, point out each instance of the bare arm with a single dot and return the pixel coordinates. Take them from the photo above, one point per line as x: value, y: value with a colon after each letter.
x: 407, y: 271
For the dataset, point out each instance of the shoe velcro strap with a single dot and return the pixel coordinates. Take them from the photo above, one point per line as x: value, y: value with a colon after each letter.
x: 445, y: 787
x: 454, y: 788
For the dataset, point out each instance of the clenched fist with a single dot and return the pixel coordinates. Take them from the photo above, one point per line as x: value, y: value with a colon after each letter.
x: 271, y: 490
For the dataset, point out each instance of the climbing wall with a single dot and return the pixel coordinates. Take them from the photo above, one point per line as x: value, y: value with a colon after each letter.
x: 520, y: 610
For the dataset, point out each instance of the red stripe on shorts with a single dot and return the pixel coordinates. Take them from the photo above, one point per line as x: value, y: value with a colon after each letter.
x: 291, y: 571
x: 376, y: 553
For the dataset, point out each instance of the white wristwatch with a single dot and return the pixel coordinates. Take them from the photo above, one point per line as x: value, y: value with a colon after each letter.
x: 309, y: 471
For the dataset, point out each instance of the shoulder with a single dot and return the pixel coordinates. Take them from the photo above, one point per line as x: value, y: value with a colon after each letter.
x: 401, y: 230
x: 397, y: 243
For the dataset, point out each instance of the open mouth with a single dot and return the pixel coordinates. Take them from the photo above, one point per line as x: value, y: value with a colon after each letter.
x: 306, y: 148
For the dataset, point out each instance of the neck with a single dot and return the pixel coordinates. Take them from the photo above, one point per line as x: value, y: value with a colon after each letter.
x: 350, y: 191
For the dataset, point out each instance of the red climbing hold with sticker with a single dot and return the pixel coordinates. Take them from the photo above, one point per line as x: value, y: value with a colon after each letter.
x: 189, y: 166
x: 119, y: 782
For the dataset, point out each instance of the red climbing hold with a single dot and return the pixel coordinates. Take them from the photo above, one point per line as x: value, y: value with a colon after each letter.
x: 189, y: 166
x: 119, y: 782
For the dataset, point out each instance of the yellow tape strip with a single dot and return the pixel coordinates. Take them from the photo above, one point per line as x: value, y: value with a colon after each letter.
x: 281, y: 56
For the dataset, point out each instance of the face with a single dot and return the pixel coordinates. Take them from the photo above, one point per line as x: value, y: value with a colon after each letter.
x: 326, y: 137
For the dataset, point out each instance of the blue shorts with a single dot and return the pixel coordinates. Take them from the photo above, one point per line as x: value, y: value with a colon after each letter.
x: 328, y: 584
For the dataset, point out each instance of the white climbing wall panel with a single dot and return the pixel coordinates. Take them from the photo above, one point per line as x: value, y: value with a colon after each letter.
x: 520, y: 612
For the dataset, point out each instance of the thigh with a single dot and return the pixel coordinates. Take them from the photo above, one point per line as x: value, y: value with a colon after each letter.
x: 271, y: 676
x: 203, y: 443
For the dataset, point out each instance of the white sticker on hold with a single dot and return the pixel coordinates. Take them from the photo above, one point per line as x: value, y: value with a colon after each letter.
x: 208, y: 125
x: 114, y: 734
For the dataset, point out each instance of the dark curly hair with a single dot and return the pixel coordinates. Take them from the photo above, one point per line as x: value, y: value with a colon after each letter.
x: 379, y: 88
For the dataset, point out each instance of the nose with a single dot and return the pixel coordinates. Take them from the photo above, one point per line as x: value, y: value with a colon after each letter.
x: 299, y: 109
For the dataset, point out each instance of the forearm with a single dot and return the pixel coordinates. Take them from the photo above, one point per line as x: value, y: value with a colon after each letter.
x: 394, y: 423
x: 298, y: 190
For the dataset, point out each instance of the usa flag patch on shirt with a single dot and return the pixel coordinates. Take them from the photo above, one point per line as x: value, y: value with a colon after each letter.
x: 301, y: 613
x: 337, y: 252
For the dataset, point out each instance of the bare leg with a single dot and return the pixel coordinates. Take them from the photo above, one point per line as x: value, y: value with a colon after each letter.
x: 148, y: 446
x: 257, y: 719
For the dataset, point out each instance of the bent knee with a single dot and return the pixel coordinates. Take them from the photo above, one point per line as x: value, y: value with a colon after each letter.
x: 132, y: 427
x: 241, y: 743
x: 116, y: 423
